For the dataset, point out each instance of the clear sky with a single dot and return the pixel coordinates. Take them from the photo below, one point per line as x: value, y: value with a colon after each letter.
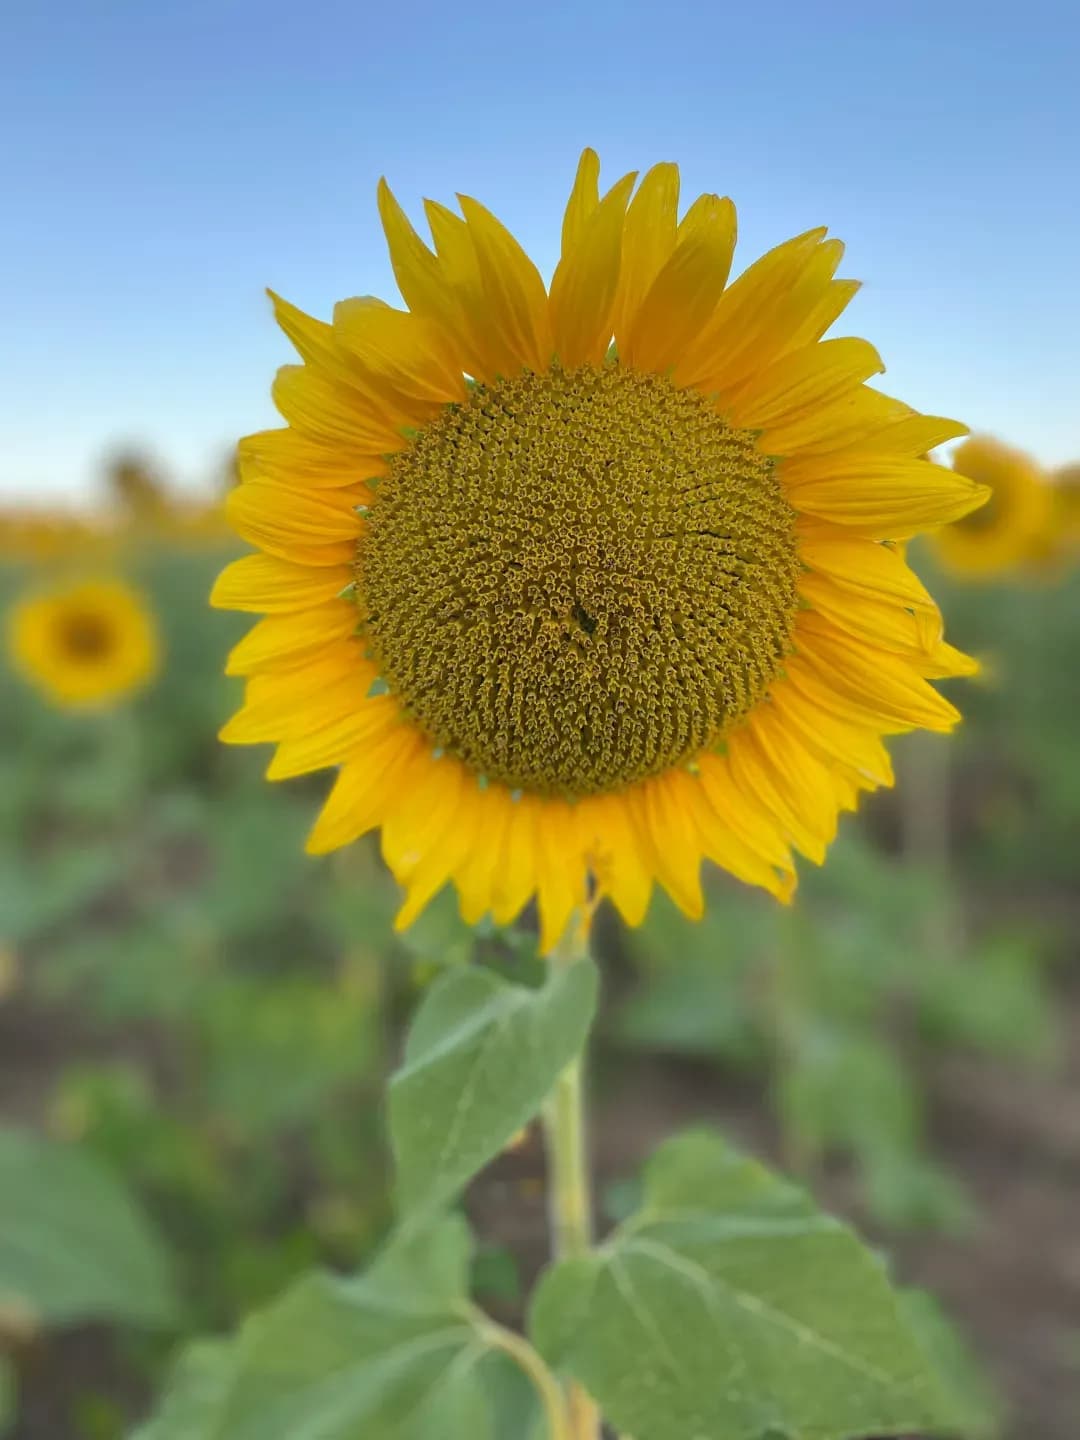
x: 163, y: 161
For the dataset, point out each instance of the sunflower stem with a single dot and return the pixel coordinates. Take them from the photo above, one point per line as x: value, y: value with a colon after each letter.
x: 569, y: 1177
x: 544, y: 1382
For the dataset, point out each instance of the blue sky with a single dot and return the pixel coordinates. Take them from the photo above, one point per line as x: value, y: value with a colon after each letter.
x: 165, y: 161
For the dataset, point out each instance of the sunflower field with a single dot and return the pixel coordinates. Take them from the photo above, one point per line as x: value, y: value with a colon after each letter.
x: 409, y: 1026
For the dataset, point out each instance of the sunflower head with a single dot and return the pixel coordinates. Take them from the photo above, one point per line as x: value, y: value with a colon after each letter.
x: 84, y: 644
x: 1007, y: 533
x: 1058, y: 545
x: 575, y: 586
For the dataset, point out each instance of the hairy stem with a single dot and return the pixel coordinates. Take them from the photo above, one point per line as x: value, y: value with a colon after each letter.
x: 569, y: 1178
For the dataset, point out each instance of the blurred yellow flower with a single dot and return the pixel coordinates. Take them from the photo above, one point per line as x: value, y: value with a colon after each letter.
x: 571, y: 618
x: 84, y: 643
x: 29, y: 535
x: 1059, y: 543
x: 1002, y: 536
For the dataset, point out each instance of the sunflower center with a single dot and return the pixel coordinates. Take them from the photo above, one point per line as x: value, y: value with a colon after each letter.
x: 84, y: 636
x: 577, y: 579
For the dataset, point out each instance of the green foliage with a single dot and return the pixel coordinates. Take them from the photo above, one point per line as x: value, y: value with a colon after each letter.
x: 229, y: 1006
x: 971, y: 1396
x: 8, y: 1396
x: 393, y: 1354
x: 482, y: 1057
x: 73, y: 1243
x: 730, y: 1307
x: 833, y: 1004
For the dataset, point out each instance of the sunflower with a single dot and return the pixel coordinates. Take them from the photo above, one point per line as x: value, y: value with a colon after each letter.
x: 1059, y: 543
x: 1007, y: 532
x: 567, y: 615
x: 84, y: 643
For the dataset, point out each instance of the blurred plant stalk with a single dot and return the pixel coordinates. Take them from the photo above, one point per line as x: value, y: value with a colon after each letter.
x: 570, y: 1199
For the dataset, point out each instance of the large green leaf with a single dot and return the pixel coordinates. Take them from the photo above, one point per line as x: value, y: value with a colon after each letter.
x: 394, y: 1355
x: 197, y: 1391
x: 729, y: 1308
x: 73, y: 1244
x: 482, y: 1057
x: 969, y: 1387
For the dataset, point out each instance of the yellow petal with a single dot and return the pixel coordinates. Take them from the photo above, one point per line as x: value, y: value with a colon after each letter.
x: 419, y: 274
x: 943, y: 661
x: 722, y: 845
x: 914, y: 435
x: 585, y: 281
x: 365, y: 791
x: 295, y: 524
x: 882, y: 682
x: 878, y: 622
x: 363, y: 724
x: 476, y: 875
x: 745, y: 318
x: 648, y: 241
x: 584, y: 198
x: 515, y: 875
x: 882, y: 497
x: 865, y: 567
x: 849, y: 424
x: 800, y: 384
x: 852, y: 707
x: 515, y: 294
x: 560, y: 869
x: 834, y: 736
x: 755, y: 827
x: 826, y: 310
x: 683, y: 295
x: 265, y: 584
x: 278, y: 705
x: 295, y: 459
x: 486, y: 354
x: 366, y: 387
x: 755, y: 774
x: 802, y: 771
x: 407, y: 351
x: 418, y: 824
x: 795, y: 316
x: 333, y: 414
x: 424, y: 855
x: 614, y: 855
x: 281, y: 641
x: 666, y: 836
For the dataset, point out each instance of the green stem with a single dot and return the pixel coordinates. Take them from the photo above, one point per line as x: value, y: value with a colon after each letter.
x: 544, y: 1382
x: 569, y: 1179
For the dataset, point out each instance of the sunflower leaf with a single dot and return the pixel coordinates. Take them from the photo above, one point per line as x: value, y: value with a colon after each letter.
x: 481, y: 1058
x: 730, y: 1308
x: 73, y: 1244
x: 394, y: 1353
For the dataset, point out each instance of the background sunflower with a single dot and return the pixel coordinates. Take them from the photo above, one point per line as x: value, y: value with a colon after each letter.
x: 84, y: 643
x: 1004, y: 535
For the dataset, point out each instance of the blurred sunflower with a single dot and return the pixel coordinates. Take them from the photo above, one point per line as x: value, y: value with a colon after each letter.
x: 593, y: 612
x: 84, y: 643
x: 1010, y: 528
x: 1059, y: 544
x: 30, y: 536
